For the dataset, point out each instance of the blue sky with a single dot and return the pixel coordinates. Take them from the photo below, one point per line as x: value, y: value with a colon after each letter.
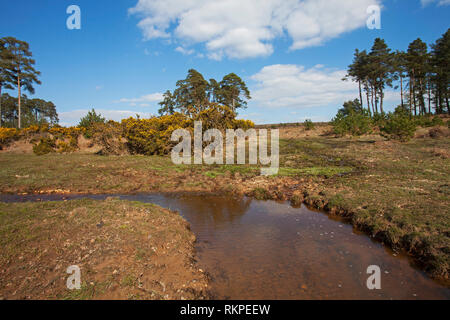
x: 291, y: 53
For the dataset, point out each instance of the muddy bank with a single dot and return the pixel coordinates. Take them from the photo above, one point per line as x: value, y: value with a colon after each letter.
x: 125, y: 250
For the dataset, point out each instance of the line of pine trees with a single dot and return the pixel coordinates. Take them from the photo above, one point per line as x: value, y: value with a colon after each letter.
x: 421, y: 75
x: 17, y: 72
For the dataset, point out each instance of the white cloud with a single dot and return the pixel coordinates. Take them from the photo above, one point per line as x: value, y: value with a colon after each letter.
x: 288, y: 86
x: 153, y: 97
x: 185, y: 51
x: 71, y: 118
x: 246, y: 28
x: 439, y: 2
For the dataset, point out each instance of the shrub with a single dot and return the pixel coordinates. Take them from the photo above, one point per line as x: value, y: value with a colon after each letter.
x: 152, y: 136
x: 398, y: 126
x: 32, y: 130
x: 7, y: 135
x: 216, y: 117
x: 89, y: 120
x: 379, y: 119
x: 109, y: 137
x: 352, y: 119
x: 355, y: 124
x: 243, y: 124
x: 428, y: 121
x: 66, y: 133
x: 45, y: 146
x: 309, y: 125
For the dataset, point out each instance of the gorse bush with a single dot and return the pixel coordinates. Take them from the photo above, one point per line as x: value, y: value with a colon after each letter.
x: 137, y: 136
x: 66, y: 133
x: 55, y: 139
x: 45, y: 146
x: 216, y: 117
x: 7, y: 135
x: 109, y: 136
x: 152, y: 136
x: 243, y: 124
x: 65, y: 138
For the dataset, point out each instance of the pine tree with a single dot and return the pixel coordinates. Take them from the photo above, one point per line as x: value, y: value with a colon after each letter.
x: 21, y: 69
x: 440, y: 61
x: 168, y: 104
x: 191, y: 93
x: 358, y: 72
x: 213, y: 91
x: 417, y: 64
x: 6, y: 79
x: 399, y: 72
x: 233, y: 92
x: 381, y: 70
x: 194, y: 94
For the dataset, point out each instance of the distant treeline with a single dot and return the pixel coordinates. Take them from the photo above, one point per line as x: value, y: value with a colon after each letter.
x: 422, y: 75
x: 33, y: 112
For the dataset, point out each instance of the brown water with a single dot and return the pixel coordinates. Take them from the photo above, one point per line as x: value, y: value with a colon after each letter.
x: 268, y: 250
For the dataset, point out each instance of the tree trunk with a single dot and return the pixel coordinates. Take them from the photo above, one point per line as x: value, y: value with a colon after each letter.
x: 401, y: 90
x: 19, y: 117
x: 0, y: 106
x: 448, y: 107
x: 360, y: 94
x: 429, y: 99
x: 437, y: 97
x: 410, y: 96
x: 381, y: 100
x: 422, y: 98
x: 371, y: 97
x: 414, y: 95
x: 367, y: 97
x: 376, y: 99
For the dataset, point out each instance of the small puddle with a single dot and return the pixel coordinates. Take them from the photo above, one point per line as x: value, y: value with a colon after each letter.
x: 268, y: 250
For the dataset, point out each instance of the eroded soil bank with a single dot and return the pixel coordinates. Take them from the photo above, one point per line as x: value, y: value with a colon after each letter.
x: 125, y: 250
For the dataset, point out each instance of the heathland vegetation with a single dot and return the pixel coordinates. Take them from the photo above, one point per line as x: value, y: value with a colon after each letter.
x: 386, y: 172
